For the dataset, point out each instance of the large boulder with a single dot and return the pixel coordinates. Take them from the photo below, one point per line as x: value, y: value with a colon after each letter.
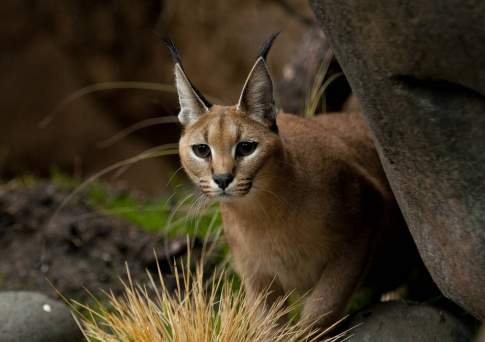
x: 400, y: 321
x: 31, y: 316
x: 418, y: 68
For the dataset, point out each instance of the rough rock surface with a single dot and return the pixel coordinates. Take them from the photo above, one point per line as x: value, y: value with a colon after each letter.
x: 33, y: 317
x: 399, y: 321
x: 418, y: 70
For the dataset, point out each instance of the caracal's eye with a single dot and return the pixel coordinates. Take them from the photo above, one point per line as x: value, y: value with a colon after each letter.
x: 201, y: 150
x: 245, y: 148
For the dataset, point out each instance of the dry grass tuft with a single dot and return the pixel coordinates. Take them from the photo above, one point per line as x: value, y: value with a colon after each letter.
x: 199, y: 310
x: 316, y: 94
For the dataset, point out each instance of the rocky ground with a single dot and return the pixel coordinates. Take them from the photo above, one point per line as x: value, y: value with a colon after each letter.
x: 78, y: 248
x: 32, y: 316
x: 46, y: 254
x: 407, y: 322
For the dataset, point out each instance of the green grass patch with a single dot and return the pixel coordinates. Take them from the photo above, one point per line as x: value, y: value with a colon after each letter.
x: 177, y: 215
x: 173, y: 216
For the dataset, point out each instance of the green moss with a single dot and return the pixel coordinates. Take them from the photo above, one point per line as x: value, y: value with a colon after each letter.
x: 62, y: 180
x: 25, y: 180
x: 175, y: 215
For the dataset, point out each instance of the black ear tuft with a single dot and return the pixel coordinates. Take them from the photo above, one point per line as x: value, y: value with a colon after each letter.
x: 257, y: 98
x: 174, y: 53
x: 263, y: 51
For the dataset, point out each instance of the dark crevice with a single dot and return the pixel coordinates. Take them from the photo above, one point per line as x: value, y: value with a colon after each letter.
x: 439, y: 86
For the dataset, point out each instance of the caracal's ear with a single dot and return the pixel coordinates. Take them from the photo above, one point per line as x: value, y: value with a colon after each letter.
x: 192, y: 103
x: 257, y: 98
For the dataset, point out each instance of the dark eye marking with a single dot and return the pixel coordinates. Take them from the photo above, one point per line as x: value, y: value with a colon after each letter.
x: 201, y: 150
x: 245, y: 148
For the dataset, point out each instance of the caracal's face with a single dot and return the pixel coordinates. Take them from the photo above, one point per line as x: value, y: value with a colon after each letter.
x: 224, y: 150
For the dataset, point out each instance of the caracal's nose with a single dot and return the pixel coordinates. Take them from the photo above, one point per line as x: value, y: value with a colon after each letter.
x: 223, y: 179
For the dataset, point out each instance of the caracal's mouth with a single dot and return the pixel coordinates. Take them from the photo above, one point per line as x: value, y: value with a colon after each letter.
x: 225, y: 196
x: 233, y: 191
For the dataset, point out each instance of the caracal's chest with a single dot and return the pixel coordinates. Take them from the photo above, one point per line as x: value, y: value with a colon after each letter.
x: 282, y: 247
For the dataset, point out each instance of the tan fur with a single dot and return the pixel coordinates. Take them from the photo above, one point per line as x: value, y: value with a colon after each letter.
x: 302, y: 226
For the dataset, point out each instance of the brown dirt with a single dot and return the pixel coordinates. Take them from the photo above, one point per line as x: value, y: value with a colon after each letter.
x: 80, y: 248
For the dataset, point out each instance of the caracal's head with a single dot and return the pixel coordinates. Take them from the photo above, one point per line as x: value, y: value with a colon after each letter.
x: 224, y: 148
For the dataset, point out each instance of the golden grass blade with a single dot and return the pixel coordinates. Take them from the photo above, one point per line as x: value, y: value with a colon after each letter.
x: 136, y: 127
x: 313, y: 107
x: 312, y: 99
x: 101, y: 87
x: 318, y: 88
x: 154, y: 152
x: 198, y: 311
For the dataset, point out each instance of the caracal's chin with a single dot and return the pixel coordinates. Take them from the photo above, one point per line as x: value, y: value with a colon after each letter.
x: 228, y: 196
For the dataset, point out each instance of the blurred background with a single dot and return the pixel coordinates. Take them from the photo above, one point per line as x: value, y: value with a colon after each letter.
x: 75, y: 73
x: 76, y: 76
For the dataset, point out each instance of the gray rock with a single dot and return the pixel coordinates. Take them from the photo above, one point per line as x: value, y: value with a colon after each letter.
x: 399, y: 321
x: 418, y: 69
x: 33, y: 317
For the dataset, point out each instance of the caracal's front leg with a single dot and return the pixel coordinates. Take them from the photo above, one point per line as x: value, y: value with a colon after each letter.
x: 327, y: 301
x: 264, y: 291
x: 260, y: 286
